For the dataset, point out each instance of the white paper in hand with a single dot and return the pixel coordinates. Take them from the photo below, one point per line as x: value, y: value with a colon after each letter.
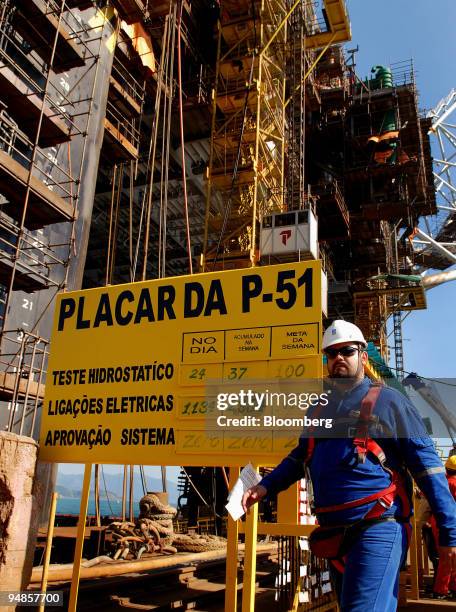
x: 247, y: 478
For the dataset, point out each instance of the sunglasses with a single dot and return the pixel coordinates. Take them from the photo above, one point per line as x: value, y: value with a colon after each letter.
x: 345, y: 351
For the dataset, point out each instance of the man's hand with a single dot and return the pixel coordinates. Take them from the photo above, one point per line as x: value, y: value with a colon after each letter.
x: 447, y: 557
x: 252, y: 496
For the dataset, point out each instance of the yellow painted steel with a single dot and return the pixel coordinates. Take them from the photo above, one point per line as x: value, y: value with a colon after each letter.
x: 313, y: 66
x: 279, y: 27
x: 246, y: 160
x: 288, y: 505
x: 245, y: 175
x: 232, y: 554
x: 285, y: 529
x: 340, y: 30
x: 371, y: 371
x: 162, y: 362
x: 80, y: 539
x: 248, y: 588
x: 47, y: 554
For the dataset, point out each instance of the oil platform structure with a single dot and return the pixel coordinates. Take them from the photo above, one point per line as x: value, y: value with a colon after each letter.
x: 148, y: 138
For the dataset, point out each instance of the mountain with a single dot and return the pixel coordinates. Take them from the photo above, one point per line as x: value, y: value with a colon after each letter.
x: 70, y: 485
x: 66, y: 492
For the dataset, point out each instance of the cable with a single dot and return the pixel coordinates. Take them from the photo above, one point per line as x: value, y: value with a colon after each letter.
x: 106, y: 490
x: 436, y: 380
x: 146, y: 205
x: 214, y: 499
x: 225, y: 478
x: 143, y: 479
x: 194, y: 487
x: 181, y: 121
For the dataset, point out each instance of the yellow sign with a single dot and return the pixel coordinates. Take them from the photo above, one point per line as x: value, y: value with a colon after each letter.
x: 241, y: 343
x: 131, y: 366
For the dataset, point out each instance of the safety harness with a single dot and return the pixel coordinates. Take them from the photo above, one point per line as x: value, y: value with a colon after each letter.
x: 333, y: 542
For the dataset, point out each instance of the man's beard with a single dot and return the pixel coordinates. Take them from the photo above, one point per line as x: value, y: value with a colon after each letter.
x: 341, y: 374
x: 341, y: 371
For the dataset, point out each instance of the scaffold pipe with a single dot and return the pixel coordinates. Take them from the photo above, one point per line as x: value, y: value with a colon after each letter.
x: 448, y: 254
x: 433, y: 280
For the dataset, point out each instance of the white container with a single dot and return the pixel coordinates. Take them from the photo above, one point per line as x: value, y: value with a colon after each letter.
x: 290, y: 232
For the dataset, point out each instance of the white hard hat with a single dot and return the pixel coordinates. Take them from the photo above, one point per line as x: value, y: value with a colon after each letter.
x: 342, y: 331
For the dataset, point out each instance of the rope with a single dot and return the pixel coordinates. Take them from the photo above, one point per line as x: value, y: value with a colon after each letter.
x: 181, y: 116
x: 194, y: 487
x: 130, y: 224
x: 198, y: 543
x: 106, y: 490
x: 165, y: 152
x: 111, y: 214
x: 153, y: 532
x: 436, y: 380
x: 143, y: 479
x: 168, y: 70
x: 147, y: 196
x: 116, y: 220
x: 155, y: 506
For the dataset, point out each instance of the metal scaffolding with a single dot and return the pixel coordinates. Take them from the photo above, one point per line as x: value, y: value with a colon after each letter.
x: 48, y: 67
x: 435, y: 242
x: 246, y: 163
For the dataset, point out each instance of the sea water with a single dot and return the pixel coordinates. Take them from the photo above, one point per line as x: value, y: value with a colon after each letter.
x: 67, y: 505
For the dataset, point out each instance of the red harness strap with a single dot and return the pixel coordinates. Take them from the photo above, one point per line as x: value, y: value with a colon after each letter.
x: 364, y: 445
x: 361, y: 439
x: 358, y: 502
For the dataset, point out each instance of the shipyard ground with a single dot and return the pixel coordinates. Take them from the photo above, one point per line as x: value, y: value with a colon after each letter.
x: 199, y: 587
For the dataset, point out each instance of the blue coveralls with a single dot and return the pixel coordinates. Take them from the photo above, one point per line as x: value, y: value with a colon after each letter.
x: 371, y: 577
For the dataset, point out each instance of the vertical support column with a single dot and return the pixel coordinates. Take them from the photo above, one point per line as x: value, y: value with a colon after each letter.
x: 211, y: 152
x: 47, y: 555
x: 232, y: 554
x: 251, y: 530
x: 80, y: 538
x: 398, y: 346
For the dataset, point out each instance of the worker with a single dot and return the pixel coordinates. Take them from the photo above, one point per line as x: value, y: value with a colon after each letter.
x: 445, y: 579
x: 359, y: 481
x: 422, y: 520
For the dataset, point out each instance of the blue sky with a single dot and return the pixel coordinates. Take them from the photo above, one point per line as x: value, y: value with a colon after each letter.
x: 395, y: 30
x: 391, y: 31
x: 387, y: 32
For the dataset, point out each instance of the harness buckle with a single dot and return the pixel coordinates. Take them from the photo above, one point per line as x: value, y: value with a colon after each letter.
x: 362, y: 454
x: 384, y: 503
